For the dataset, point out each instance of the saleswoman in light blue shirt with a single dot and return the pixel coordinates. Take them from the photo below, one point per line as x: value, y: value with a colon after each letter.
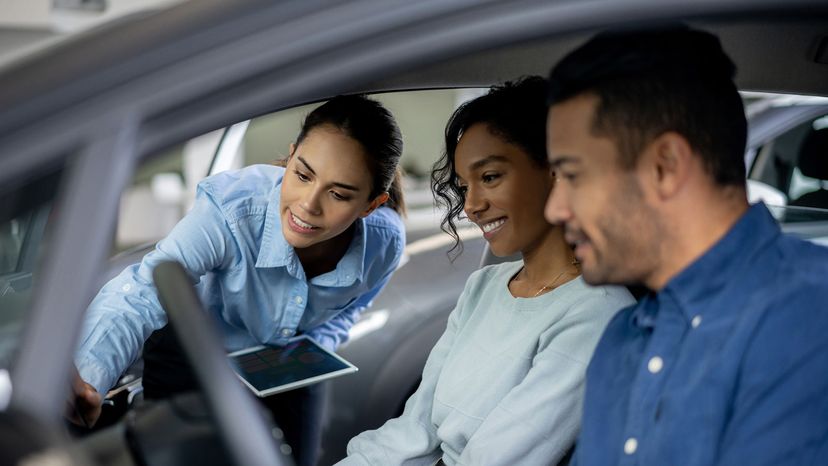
x: 273, y: 252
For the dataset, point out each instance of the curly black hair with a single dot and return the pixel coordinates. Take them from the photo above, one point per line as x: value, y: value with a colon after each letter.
x: 515, y: 112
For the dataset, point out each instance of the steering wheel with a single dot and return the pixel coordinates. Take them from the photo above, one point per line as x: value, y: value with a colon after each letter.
x: 242, y: 427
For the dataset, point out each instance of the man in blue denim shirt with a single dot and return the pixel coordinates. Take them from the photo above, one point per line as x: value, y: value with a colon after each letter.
x: 725, y: 361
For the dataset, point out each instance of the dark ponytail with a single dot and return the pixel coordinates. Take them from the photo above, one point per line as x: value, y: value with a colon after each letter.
x: 372, y: 125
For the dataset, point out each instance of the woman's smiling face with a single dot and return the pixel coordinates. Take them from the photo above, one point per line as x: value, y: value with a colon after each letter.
x: 505, y: 190
x: 326, y: 187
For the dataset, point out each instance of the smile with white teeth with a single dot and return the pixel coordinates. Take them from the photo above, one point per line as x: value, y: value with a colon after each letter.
x: 492, y: 226
x: 301, y: 223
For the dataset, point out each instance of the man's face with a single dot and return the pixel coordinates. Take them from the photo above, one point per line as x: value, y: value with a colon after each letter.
x: 600, y: 204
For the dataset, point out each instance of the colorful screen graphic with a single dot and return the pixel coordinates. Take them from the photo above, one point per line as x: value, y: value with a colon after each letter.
x: 271, y: 367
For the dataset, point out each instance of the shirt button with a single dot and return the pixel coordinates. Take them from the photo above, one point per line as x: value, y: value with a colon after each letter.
x: 298, y: 299
x: 286, y: 332
x: 696, y: 321
x: 655, y: 364
x: 630, y: 446
x: 126, y: 287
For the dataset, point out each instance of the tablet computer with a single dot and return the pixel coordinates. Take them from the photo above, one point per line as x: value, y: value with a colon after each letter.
x: 268, y: 370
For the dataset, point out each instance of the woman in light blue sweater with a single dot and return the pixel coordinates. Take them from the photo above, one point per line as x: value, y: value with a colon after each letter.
x: 504, y: 384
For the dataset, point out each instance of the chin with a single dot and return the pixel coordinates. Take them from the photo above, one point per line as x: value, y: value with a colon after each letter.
x: 295, y: 240
x: 502, y: 251
x: 593, y: 275
x: 592, y: 278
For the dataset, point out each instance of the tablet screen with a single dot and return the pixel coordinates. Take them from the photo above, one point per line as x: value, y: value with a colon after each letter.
x: 268, y: 370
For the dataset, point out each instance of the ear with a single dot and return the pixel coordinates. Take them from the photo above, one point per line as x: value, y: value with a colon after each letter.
x: 378, y: 201
x: 669, y: 158
x: 291, y: 150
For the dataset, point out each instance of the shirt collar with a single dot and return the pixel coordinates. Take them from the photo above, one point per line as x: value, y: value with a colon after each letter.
x: 350, y: 267
x: 704, y: 278
x: 275, y: 251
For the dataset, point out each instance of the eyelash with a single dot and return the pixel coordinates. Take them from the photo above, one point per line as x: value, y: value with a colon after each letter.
x: 305, y: 179
x: 302, y: 177
x: 489, y: 177
x: 485, y: 178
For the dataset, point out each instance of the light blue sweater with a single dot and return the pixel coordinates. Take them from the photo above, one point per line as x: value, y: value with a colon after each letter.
x: 505, y: 382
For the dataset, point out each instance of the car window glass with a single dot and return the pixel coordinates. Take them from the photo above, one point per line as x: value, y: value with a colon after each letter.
x: 26, y: 215
x: 161, y: 191
x: 12, y: 234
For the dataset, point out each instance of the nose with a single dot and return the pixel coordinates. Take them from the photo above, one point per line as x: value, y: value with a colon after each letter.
x: 557, y: 210
x: 474, y: 203
x: 311, y: 201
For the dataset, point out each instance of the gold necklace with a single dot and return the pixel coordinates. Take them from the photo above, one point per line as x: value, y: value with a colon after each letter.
x: 544, y: 287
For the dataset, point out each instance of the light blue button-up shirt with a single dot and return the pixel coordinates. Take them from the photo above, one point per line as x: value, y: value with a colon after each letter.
x: 247, y: 276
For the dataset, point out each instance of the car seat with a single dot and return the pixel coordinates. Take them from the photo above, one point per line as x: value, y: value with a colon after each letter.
x: 813, y: 163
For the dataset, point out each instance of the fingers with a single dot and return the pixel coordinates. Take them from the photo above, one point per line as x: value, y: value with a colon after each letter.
x: 73, y: 414
x: 84, y: 406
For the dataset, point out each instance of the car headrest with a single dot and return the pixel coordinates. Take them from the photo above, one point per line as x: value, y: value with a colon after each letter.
x: 813, y: 154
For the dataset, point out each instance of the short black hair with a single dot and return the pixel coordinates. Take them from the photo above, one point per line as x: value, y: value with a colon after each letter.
x: 652, y: 81
x: 514, y: 112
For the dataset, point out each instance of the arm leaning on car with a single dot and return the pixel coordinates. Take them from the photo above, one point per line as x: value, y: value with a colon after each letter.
x: 126, y: 311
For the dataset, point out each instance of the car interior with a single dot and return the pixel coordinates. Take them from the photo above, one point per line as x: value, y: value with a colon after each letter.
x: 812, y: 163
x: 224, y: 71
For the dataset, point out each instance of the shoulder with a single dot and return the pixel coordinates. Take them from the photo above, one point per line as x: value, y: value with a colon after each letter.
x: 797, y: 293
x: 797, y: 282
x: 243, y: 189
x: 803, y: 257
x: 385, y: 226
x: 384, y: 219
x: 482, y: 278
x: 251, y: 180
x: 582, y: 298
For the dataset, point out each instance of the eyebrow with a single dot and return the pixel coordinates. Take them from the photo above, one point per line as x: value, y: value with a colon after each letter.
x: 563, y: 160
x: 487, y: 160
x: 335, y: 183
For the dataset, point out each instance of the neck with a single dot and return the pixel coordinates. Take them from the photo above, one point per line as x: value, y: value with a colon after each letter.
x: 691, y: 236
x: 545, y: 260
x: 322, y: 257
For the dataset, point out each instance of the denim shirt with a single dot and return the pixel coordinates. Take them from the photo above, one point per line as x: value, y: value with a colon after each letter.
x: 247, y: 276
x: 728, y: 364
